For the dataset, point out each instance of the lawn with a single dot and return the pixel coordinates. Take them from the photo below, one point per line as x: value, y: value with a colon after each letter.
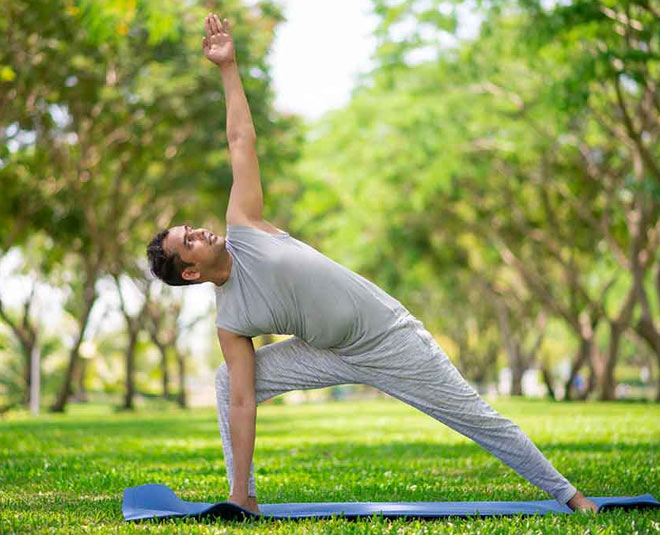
x: 66, y: 473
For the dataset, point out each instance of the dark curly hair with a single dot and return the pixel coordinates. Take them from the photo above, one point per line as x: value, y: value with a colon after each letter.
x: 167, y: 268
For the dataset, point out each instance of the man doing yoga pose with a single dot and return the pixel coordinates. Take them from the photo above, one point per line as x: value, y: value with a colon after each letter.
x: 346, y: 329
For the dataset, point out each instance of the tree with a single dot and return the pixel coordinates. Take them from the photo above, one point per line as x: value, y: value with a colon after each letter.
x: 114, y: 105
x: 491, y: 169
x: 163, y: 311
x: 134, y: 326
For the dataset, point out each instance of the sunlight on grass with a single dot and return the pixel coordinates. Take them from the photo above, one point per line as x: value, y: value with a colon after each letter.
x: 66, y: 473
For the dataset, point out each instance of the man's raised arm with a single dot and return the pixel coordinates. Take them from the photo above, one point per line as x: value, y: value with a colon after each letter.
x: 246, y: 197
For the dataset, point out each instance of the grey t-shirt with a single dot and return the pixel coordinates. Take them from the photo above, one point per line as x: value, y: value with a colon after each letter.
x: 281, y: 285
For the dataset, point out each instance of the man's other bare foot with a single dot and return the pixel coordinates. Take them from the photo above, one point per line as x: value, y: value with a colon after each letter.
x: 580, y: 503
x: 249, y: 503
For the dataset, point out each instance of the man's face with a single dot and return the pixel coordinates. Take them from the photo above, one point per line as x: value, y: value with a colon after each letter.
x: 198, y: 246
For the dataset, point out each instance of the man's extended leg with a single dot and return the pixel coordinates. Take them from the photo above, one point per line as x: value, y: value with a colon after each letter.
x: 291, y: 364
x: 413, y: 368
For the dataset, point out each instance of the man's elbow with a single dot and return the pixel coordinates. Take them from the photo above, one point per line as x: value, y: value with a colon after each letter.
x: 245, y: 402
x: 243, y: 398
x: 247, y: 135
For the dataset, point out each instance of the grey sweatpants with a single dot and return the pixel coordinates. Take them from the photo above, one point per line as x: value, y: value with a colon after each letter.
x: 408, y: 365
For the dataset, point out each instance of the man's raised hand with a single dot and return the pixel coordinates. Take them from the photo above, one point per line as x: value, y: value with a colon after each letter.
x: 218, y: 44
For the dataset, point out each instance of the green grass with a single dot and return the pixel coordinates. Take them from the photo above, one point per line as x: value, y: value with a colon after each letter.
x: 66, y: 473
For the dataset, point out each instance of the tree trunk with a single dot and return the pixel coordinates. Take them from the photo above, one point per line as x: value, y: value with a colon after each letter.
x: 81, y: 392
x: 580, y: 358
x: 28, y: 346
x: 617, y: 328
x: 547, y: 379
x: 516, y: 362
x: 591, y: 381
x: 608, y: 385
x: 26, y: 334
x: 65, y: 389
x: 134, y: 325
x: 181, y: 398
x: 165, y: 371
x: 517, y: 372
x: 162, y: 337
x: 648, y: 332
x: 27, y: 373
x: 74, y: 356
x: 129, y: 392
x: 35, y: 379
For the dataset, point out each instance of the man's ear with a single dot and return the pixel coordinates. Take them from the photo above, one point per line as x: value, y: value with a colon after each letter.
x: 190, y: 274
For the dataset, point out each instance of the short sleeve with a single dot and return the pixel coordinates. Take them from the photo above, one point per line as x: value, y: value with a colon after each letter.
x: 222, y: 323
x: 225, y: 316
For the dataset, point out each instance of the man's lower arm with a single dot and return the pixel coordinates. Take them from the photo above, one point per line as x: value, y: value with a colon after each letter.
x: 242, y: 428
x: 239, y: 119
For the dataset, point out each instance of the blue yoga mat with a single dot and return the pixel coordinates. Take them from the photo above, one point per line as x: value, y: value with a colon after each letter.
x: 159, y: 501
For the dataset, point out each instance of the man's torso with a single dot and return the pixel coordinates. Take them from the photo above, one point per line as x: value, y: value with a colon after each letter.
x: 281, y: 285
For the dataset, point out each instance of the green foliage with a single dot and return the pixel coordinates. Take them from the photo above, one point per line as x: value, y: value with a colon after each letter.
x: 116, y: 95
x: 507, y: 159
x: 510, y: 166
x: 114, y: 122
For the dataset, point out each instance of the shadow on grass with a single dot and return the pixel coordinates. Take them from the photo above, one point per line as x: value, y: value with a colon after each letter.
x: 163, y: 426
x: 105, y: 437
x: 108, y: 437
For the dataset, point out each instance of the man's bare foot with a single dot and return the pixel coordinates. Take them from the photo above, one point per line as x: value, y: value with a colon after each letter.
x: 580, y: 503
x: 252, y: 504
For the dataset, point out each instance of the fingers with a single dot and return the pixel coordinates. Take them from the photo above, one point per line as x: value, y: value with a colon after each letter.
x: 205, y: 43
x: 210, y: 25
x: 225, y: 24
x: 214, y: 25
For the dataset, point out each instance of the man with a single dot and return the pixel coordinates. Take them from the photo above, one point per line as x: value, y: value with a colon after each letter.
x: 346, y: 329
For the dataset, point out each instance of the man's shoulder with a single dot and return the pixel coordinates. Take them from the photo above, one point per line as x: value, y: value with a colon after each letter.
x: 262, y: 224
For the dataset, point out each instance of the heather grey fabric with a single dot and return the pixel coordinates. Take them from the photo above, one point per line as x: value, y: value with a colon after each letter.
x: 281, y: 285
x: 410, y: 366
x: 347, y: 330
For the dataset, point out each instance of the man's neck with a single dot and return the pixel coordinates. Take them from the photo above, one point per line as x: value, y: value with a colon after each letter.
x: 224, y: 271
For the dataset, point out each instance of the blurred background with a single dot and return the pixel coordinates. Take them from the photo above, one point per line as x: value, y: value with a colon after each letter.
x: 495, y: 166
